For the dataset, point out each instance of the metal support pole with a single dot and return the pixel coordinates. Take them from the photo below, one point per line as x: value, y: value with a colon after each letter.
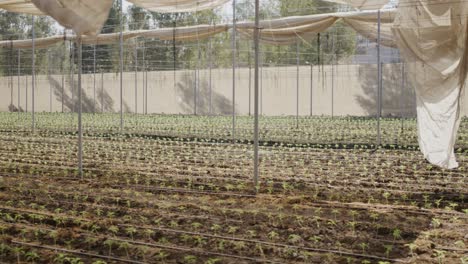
x: 146, y: 89
x: 195, y: 91
x: 33, y: 74
x: 72, y: 75
x: 61, y: 72
x: 80, y: 106
x: 333, y: 77
x: 102, y: 91
x: 403, y: 77
x: 379, y: 82
x: 136, y: 79
x: 256, y: 86
x: 311, y: 87
x: 210, y: 84
x: 250, y: 85
x: 121, y: 65
x: 26, y: 92
x: 10, y: 72
x: 94, y: 78
x: 297, y: 84
x: 143, y: 82
x: 19, y: 78
x: 234, y: 48
x: 50, y: 85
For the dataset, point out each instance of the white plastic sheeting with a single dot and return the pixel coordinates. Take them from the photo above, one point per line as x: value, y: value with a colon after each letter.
x: 433, y: 37
x: 20, y: 6
x: 163, y: 6
x: 362, y: 4
x: 288, y: 30
x: 171, y: 6
x: 179, y: 34
x: 85, y: 17
x: 276, y: 31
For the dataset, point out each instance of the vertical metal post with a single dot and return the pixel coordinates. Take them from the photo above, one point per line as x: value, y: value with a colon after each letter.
x: 261, y: 60
x: 19, y: 78
x: 94, y: 77
x: 143, y: 81
x: 72, y: 75
x: 80, y: 123
x: 333, y: 77
x: 102, y: 90
x: 195, y: 91
x: 61, y: 71
x: 379, y: 82
x: 136, y: 79
x: 10, y: 71
x: 146, y: 89
x: 297, y: 84
x: 33, y: 74
x: 234, y: 48
x: 256, y: 86
x: 210, y: 65
x: 121, y: 65
x: 403, y: 77
x: 50, y: 85
x: 311, y: 87
x: 26, y: 92
x: 250, y: 85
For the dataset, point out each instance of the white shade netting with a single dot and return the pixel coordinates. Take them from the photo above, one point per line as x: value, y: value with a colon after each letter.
x: 20, y: 6
x: 362, y: 4
x: 85, y: 17
x: 288, y: 30
x: 433, y: 37
x: 164, y: 6
x: 172, y: 6
x: 179, y: 34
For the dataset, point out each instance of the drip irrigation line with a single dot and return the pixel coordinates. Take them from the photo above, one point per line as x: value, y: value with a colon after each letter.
x: 76, y: 252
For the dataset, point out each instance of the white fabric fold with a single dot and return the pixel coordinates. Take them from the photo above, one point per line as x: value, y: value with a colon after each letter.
x: 85, y: 17
x: 433, y: 37
x: 179, y: 34
x: 288, y: 30
x: 172, y: 6
x: 20, y: 6
x: 362, y: 4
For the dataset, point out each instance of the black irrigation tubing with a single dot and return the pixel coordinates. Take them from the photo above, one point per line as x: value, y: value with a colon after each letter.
x: 180, y: 190
x: 173, y: 248
x: 279, y: 245
x: 263, y: 143
x: 76, y: 252
x: 252, y: 196
x: 207, y: 166
x: 188, y: 162
x: 325, y: 204
x: 439, y: 193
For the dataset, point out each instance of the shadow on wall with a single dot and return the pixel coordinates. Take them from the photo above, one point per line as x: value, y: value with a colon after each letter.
x: 398, y: 99
x: 88, y: 105
x: 221, y: 105
x: 13, y: 108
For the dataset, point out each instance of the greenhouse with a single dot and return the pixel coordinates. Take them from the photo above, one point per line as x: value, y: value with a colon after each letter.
x: 233, y: 131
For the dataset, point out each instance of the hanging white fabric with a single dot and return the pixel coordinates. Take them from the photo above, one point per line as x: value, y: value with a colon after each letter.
x: 280, y: 31
x: 172, y: 6
x: 286, y: 31
x: 362, y: 4
x: 85, y: 17
x: 179, y: 34
x: 433, y: 37
x: 20, y: 6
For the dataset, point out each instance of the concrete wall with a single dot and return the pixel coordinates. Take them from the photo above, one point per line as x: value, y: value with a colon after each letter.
x: 343, y: 90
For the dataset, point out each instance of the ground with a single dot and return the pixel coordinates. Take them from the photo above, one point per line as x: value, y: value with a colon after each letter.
x: 176, y: 189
